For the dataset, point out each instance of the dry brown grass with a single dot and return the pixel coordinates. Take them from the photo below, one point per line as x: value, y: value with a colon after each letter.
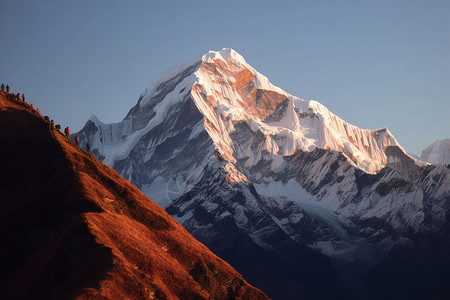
x: 97, y: 235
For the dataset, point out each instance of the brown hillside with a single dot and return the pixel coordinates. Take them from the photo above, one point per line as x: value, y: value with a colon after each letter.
x: 71, y: 227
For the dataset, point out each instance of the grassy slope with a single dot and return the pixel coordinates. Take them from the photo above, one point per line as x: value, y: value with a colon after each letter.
x: 74, y: 228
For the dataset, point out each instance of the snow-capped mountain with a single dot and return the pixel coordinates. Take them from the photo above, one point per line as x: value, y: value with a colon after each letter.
x: 437, y: 153
x: 248, y: 168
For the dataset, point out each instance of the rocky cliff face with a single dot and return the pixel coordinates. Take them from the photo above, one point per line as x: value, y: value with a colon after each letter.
x: 243, y: 165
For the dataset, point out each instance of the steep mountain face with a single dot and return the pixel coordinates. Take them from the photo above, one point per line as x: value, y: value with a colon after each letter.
x: 233, y: 220
x: 437, y: 153
x: 247, y: 168
x: 73, y: 228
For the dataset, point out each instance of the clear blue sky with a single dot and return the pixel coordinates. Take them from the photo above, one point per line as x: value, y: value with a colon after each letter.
x: 373, y: 63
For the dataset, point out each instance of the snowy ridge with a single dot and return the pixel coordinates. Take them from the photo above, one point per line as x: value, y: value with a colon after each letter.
x: 226, y: 90
x: 152, y: 88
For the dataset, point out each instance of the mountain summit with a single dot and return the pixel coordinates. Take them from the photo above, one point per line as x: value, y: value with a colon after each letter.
x: 226, y: 99
x: 228, y: 91
x: 273, y: 183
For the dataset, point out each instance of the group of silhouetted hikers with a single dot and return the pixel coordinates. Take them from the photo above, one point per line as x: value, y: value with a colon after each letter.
x: 12, y: 96
x: 21, y: 100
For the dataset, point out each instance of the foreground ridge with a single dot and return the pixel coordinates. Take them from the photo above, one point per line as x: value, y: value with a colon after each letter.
x: 75, y: 229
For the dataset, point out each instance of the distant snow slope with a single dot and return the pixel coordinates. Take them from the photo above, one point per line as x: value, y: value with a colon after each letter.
x: 437, y: 153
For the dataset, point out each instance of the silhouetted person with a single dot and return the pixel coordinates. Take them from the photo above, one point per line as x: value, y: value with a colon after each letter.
x: 88, y: 148
x: 32, y: 107
x: 77, y: 140
x: 67, y: 131
x: 38, y: 111
x: 7, y: 89
x: 23, y: 98
x: 3, y: 87
x: 18, y: 97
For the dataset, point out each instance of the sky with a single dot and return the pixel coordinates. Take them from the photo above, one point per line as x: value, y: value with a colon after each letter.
x: 373, y: 63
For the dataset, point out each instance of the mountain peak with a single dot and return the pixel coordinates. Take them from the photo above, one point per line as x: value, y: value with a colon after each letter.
x: 226, y: 54
x: 228, y: 92
x: 94, y: 119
